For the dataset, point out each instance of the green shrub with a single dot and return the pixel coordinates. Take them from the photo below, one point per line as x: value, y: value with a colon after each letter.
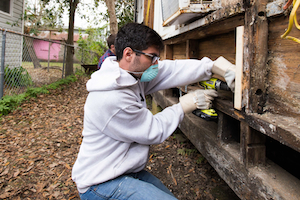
x: 33, y: 92
x: 17, y: 77
x: 10, y: 103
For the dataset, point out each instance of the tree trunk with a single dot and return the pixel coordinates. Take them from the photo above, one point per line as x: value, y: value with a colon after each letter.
x: 70, y: 41
x: 113, y: 24
x: 34, y: 59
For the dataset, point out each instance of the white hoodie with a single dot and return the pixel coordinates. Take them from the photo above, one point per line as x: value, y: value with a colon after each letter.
x: 118, y: 127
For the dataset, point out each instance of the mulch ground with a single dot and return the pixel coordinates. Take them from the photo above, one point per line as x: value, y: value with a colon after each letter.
x: 39, y: 143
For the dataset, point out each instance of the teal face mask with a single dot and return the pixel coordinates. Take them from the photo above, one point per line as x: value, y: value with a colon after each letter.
x: 150, y: 73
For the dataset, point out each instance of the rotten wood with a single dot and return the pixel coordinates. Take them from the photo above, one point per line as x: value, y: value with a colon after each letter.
x: 217, y: 28
x: 255, y: 61
x: 247, y: 182
x: 284, y: 69
x: 228, y: 129
x: 271, y: 125
x: 253, y: 149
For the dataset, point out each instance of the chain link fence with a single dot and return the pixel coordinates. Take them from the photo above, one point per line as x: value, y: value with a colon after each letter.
x: 27, y: 61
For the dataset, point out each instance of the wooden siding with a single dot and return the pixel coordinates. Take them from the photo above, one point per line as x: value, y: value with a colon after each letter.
x: 17, y: 12
x: 219, y: 45
x: 284, y: 69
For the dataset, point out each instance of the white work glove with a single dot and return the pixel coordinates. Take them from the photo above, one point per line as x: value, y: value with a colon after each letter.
x: 226, y: 69
x: 200, y: 99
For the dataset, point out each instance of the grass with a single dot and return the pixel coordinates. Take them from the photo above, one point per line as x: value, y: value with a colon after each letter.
x: 8, y: 103
x: 29, y: 65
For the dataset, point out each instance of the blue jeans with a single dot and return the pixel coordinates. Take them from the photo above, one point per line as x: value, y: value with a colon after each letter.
x: 134, y: 186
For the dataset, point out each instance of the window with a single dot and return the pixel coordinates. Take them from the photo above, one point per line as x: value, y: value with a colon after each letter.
x: 5, y: 6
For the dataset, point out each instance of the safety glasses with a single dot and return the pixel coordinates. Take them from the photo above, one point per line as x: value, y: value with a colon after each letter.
x: 153, y: 57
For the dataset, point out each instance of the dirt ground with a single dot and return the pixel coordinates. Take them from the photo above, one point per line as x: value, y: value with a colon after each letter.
x: 39, y: 143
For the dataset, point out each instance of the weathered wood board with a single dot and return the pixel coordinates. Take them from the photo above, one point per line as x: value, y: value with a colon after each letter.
x: 219, y: 45
x: 284, y: 69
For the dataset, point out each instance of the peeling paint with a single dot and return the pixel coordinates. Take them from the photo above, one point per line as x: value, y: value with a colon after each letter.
x: 273, y: 128
x: 261, y: 129
x: 275, y: 8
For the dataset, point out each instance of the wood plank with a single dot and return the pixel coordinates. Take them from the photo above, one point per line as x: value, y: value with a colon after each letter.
x: 239, y: 59
x: 255, y: 61
x: 217, y: 28
x: 220, y: 45
x: 179, y: 51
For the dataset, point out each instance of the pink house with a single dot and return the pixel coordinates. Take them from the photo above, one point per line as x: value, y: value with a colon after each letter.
x: 42, y: 48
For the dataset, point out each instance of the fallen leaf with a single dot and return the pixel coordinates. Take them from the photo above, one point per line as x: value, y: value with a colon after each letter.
x: 68, y: 166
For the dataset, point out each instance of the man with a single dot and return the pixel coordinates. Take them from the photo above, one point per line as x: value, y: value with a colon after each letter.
x: 111, y: 49
x: 118, y: 127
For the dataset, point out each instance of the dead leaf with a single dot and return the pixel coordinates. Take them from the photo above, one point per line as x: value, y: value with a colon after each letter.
x: 5, y: 172
x: 17, y: 173
x: 53, y: 165
x: 68, y: 166
x: 52, y: 187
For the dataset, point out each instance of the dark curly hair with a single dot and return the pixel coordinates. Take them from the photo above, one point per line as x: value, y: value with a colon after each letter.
x: 111, y: 40
x: 136, y: 36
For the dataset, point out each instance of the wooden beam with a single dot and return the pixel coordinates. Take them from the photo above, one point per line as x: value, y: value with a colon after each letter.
x: 149, y: 13
x: 255, y: 57
x: 217, y: 28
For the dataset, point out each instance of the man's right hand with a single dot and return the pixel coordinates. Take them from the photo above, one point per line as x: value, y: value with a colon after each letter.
x: 226, y: 69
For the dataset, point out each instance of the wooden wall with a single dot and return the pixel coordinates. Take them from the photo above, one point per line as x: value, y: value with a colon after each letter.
x: 212, y: 47
x: 284, y: 69
x: 220, y: 45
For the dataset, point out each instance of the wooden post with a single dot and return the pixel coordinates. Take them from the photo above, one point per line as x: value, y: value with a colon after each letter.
x: 224, y: 131
x: 168, y: 52
x: 149, y: 13
x: 253, y: 149
x: 255, y: 57
x: 192, y: 49
x: 228, y: 128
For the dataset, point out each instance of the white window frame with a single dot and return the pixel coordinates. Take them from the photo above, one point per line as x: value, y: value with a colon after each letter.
x: 10, y: 9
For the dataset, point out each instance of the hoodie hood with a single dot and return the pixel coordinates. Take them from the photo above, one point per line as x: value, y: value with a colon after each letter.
x: 110, y: 77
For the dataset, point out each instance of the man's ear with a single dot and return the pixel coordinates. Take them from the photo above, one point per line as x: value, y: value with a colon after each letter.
x: 128, y: 54
x: 112, y: 48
